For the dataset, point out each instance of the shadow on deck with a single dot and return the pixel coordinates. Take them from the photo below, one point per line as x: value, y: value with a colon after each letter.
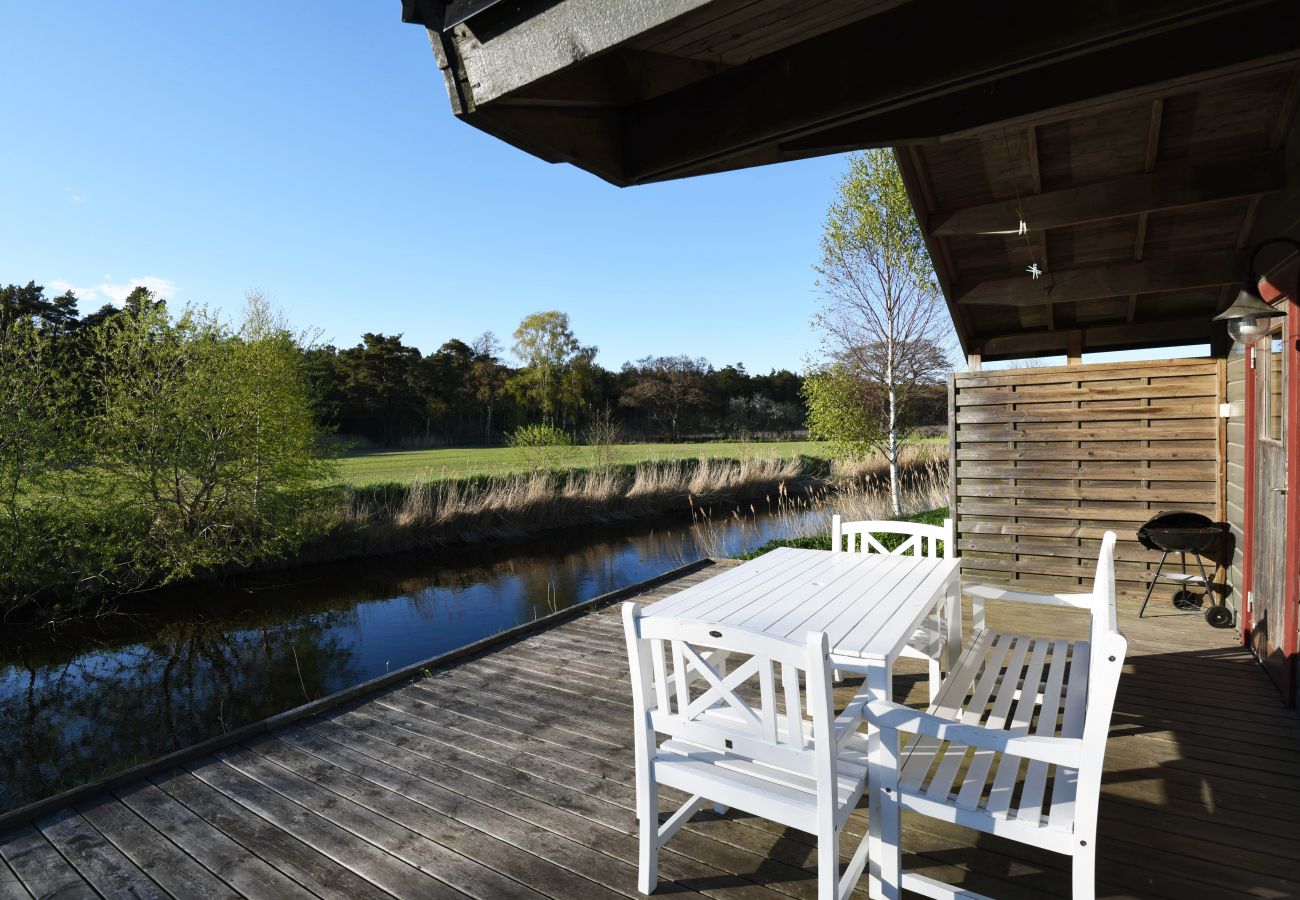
x: 509, y: 774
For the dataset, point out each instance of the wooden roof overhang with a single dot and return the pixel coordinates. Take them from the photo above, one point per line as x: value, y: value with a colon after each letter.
x: 1145, y: 144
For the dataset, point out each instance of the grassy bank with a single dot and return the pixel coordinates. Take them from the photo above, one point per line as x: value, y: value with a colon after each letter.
x: 410, y: 466
x: 393, y: 517
x: 799, y: 492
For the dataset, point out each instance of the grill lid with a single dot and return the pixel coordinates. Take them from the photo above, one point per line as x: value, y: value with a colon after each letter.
x: 1177, y: 530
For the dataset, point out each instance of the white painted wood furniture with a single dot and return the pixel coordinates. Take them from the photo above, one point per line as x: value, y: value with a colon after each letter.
x: 1013, y: 707
x: 922, y: 540
x: 868, y: 606
x: 740, y: 738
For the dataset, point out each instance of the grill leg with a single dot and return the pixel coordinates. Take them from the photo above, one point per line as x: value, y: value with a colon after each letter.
x: 1154, y: 579
x: 1200, y: 562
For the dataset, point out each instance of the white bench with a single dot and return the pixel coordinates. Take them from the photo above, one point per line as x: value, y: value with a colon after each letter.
x: 1014, y: 709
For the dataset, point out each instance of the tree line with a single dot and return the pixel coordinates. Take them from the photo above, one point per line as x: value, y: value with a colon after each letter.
x: 392, y: 394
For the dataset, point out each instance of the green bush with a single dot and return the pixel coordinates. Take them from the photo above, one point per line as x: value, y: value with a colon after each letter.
x: 540, y: 447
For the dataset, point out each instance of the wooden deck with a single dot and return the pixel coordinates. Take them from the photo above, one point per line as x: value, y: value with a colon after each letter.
x: 509, y: 774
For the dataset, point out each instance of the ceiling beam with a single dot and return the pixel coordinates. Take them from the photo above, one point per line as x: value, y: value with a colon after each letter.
x: 920, y: 194
x: 1100, y: 338
x: 519, y: 44
x: 1174, y: 273
x: 999, y: 62
x: 1174, y: 185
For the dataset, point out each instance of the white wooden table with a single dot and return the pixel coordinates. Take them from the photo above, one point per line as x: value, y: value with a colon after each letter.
x: 869, y: 605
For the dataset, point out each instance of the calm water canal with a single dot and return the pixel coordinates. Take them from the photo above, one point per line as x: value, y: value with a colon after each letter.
x: 180, y: 665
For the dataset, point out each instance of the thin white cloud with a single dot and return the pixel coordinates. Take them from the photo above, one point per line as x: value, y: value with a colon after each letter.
x: 164, y: 288
x: 73, y: 196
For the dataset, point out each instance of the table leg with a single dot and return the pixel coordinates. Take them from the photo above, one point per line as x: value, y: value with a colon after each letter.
x: 884, y: 826
x: 953, y: 637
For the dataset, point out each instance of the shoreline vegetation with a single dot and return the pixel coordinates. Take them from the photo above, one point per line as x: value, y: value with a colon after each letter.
x: 141, y: 448
x: 426, y: 514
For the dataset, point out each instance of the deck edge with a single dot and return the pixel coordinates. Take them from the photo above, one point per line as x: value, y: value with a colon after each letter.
x: 41, y: 808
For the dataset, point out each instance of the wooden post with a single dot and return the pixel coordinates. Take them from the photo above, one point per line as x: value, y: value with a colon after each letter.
x: 973, y: 361
x: 952, y: 466
x: 1074, y: 347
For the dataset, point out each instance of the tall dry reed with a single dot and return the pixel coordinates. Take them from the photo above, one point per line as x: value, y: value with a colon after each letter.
x: 855, y: 492
x: 428, y: 513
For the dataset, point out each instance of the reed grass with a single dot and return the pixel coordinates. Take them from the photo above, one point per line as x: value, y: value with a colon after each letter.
x: 856, y: 492
x: 436, y: 513
x: 801, y: 492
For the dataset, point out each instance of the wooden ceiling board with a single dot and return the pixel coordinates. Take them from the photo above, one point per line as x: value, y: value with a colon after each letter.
x: 1229, y: 120
x: 1095, y: 148
x: 1210, y: 227
x: 1091, y: 243
x: 978, y: 170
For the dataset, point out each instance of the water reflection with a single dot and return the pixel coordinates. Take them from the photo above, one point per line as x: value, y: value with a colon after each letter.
x: 181, y: 665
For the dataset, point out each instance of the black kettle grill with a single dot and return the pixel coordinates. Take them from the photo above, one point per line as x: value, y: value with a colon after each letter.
x: 1184, y: 532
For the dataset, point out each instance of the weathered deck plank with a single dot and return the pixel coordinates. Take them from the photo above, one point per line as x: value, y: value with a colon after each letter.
x: 508, y: 774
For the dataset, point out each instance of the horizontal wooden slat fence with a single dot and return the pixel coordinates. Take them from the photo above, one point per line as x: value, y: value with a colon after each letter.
x: 1045, y: 460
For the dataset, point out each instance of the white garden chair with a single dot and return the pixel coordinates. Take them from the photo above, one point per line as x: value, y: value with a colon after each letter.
x: 1013, y: 707
x: 922, y: 540
x: 733, y: 743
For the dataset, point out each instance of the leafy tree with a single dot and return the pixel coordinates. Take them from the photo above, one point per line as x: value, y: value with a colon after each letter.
x: 731, y: 382
x: 881, y: 318
x: 557, y: 369
x: 28, y: 302
x: 384, y: 384
x: 781, y: 385
x: 672, y: 388
x: 451, y: 391
x: 208, y: 431
x: 142, y: 299
x: 487, y: 379
x: 325, y: 385
x: 36, y: 443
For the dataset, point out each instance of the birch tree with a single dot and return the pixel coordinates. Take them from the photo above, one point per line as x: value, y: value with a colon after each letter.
x: 881, y: 318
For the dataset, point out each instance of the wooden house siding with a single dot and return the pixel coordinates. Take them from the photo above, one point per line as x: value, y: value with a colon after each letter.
x: 1047, y: 459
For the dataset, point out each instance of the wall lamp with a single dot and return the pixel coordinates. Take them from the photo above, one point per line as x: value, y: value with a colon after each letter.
x: 1246, y: 317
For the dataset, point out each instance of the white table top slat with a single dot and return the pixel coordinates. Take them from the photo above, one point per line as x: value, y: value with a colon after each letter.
x: 868, y: 604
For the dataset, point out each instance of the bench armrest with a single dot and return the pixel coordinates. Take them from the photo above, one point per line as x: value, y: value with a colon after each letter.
x: 1060, y: 751
x: 990, y: 592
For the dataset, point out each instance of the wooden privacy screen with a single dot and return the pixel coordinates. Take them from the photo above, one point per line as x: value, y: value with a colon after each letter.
x: 1045, y: 460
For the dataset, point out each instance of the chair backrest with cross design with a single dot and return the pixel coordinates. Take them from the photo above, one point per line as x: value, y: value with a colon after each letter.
x: 921, y: 539
x: 753, y: 708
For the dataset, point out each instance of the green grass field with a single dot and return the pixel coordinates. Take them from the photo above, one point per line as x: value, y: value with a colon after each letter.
x: 405, y: 466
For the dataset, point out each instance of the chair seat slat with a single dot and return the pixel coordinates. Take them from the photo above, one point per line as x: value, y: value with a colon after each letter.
x: 1031, y: 794
x: 1004, y: 779
x: 941, y: 784
x: 973, y: 782
x: 1064, y: 781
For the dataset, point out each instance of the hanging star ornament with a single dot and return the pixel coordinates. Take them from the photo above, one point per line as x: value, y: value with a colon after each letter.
x: 1033, y: 269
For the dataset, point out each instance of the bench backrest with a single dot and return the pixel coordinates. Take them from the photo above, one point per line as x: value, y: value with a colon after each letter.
x: 733, y: 690
x: 922, y: 539
x: 1105, y: 662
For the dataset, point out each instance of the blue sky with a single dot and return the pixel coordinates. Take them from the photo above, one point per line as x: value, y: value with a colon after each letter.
x: 308, y: 149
